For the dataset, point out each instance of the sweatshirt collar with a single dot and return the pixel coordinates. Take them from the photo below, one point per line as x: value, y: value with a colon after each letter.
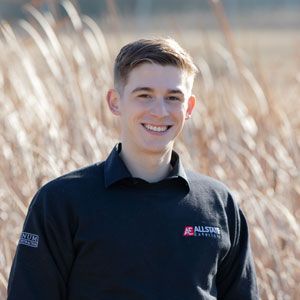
x: 115, y: 169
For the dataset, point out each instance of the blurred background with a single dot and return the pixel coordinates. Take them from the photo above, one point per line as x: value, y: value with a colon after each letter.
x: 56, y: 67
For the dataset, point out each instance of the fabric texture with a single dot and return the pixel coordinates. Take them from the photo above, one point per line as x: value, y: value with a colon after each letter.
x: 99, y: 233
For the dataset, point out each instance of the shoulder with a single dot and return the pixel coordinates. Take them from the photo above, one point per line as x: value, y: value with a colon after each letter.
x: 210, y: 189
x: 72, y: 187
x: 200, y: 181
x: 77, y: 178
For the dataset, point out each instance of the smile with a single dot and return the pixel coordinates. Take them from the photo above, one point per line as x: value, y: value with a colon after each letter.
x: 156, y: 128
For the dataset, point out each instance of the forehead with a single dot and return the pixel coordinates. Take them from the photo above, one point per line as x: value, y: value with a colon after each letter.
x: 157, y: 77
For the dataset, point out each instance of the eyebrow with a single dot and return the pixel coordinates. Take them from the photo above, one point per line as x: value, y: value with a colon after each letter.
x: 142, y: 89
x: 176, y: 91
x: 147, y: 89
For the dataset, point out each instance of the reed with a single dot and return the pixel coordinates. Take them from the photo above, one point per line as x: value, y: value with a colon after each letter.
x: 53, y: 119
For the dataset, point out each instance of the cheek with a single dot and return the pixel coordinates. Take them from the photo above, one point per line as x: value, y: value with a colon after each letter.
x: 179, y: 109
x: 132, y: 114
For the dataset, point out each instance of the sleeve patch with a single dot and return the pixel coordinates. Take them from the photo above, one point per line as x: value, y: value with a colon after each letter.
x: 29, y: 239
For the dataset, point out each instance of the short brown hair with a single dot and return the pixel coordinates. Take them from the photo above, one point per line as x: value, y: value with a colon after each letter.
x: 162, y: 51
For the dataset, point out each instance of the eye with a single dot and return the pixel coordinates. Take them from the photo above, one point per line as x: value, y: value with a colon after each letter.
x: 145, y: 96
x: 173, y: 98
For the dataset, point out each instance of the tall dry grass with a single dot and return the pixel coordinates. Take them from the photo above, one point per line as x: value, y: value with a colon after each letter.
x: 246, y: 131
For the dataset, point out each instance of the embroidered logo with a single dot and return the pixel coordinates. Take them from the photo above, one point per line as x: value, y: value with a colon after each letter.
x: 205, y: 231
x: 29, y: 239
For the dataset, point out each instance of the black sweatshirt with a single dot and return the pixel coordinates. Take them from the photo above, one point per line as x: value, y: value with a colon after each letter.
x: 98, y: 233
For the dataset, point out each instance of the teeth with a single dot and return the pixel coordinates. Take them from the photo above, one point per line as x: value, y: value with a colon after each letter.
x: 156, y: 128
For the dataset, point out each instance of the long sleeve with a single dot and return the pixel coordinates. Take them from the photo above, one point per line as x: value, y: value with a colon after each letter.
x: 236, y: 277
x: 44, y: 254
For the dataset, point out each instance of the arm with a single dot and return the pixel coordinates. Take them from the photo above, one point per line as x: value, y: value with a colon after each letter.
x: 236, y: 278
x: 44, y: 255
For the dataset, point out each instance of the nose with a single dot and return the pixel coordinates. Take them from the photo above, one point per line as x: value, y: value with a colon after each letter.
x: 159, y: 108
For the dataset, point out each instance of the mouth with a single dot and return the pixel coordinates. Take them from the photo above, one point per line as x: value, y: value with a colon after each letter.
x: 157, y: 128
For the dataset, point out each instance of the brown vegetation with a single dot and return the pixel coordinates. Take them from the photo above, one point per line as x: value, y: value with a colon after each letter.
x: 246, y: 131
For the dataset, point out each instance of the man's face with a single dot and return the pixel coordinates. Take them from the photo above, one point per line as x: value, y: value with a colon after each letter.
x: 153, y: 107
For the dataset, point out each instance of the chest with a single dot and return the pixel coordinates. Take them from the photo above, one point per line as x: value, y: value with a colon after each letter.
x: 151, y: 231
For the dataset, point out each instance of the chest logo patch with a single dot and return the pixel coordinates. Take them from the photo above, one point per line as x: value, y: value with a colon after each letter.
x: 29, y: 239
x: 202, y: 231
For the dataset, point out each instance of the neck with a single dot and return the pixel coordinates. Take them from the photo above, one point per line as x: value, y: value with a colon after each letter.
x: 152, y: 166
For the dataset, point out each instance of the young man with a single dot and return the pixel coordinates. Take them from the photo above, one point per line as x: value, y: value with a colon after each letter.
x: 137, y: 226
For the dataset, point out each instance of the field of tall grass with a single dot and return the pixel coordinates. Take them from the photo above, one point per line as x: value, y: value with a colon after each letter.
x: 245, y: 131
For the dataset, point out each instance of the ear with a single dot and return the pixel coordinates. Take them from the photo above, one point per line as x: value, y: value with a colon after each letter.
x: 113, y: 101
x: 190, y: 107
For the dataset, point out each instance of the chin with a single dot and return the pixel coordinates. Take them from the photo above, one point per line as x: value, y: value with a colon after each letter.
x: 158, y: 148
